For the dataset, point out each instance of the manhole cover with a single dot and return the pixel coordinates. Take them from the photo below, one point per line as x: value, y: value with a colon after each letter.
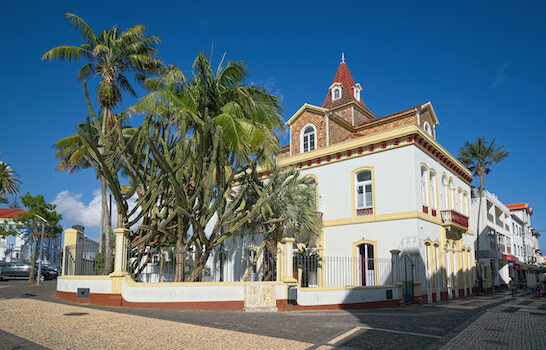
x: 29, y: 295
x: 542, y: 307
x: 496, y: 342
x: 525, y: 303
x: 76, y: 314
x: 494, y: 329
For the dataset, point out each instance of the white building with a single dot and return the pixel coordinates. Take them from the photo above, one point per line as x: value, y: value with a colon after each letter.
x: 499, y: 242
x: 386, y: 187
x: 12, y: 247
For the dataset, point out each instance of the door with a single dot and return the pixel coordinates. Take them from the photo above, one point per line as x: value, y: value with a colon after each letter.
x: 366, y: 265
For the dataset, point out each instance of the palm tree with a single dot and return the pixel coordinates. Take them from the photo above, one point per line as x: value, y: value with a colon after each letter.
x: 292, y: 212
x: 9, y: 181
x: 248, y: 115
x: 478, y: 158
x: 111, y: 55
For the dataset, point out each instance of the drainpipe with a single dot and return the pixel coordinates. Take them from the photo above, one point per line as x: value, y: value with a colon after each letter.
x: 327, y: 116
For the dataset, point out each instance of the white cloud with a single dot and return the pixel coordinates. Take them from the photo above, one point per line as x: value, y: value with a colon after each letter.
x: 77, y: 212
x: 74, y: 210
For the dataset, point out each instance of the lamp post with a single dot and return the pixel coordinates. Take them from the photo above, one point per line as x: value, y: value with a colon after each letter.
x: 39, y: 274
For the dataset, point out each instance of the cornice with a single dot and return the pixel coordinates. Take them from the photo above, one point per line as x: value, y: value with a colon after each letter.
x: 379, y: 142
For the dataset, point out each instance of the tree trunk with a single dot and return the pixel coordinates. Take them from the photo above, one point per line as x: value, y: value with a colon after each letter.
x: 31, y: 278
x: 269, y: 267
x: 180, y: 260
x: 102, y: 235
x: 196, y: 273
x: 478, y: 272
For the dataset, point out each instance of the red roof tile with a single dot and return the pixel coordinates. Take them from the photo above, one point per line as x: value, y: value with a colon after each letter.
x: 343, y: 76
x: 517, y: 206
x: 6, y: 213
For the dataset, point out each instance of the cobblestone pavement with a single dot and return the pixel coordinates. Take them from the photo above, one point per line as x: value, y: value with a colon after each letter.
x: 31, y: 317
x: 76, y: 327
x: 520, y: 323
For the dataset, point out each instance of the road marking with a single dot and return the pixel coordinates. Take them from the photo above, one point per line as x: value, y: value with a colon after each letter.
x: 402, y: 332
x: 356, y: 329
x: 4, y: 286
x: 345, y: 335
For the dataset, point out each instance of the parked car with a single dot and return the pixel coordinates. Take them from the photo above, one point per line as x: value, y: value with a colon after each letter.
x: 21, y: 270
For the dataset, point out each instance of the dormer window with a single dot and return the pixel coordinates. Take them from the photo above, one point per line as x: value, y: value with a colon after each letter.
x: 308, y: 138
x: 336, y: 91
x: 356, y: 90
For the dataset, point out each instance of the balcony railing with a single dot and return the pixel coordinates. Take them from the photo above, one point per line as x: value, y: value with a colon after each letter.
x: 453, y: 217
x: 499, y: 223
x: 490, y: 217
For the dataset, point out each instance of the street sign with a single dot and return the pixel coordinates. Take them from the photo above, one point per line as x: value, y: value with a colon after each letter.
x: 516, y: 266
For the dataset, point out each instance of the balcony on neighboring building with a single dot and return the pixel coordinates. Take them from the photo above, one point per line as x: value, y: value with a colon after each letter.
x: 490, y: 217
x: 454, y: 218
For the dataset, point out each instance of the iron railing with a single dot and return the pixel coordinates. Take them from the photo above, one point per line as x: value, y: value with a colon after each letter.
x: 159, y: 264
x: 83, y: 259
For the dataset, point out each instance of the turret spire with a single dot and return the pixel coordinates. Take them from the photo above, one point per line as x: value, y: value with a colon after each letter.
x: 343, y: 57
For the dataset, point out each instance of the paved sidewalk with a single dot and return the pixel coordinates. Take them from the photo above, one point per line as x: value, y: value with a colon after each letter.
x: 519, y: 323
x: 59, y: 326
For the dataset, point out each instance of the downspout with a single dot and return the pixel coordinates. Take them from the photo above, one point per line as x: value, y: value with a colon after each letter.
x: 290, y: 140
x: 327, y: 116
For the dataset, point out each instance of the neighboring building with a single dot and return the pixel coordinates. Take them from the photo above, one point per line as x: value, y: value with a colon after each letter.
x: 500, y: 247
x: 521, y: 214
x: 18, y: 247
x: 13, y: 247
x: 385, y: 184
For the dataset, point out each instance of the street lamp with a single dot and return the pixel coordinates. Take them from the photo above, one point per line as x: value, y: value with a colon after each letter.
x: 39, y: 274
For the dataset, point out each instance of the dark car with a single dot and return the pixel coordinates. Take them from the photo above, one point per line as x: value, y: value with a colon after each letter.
x: 21, y: 270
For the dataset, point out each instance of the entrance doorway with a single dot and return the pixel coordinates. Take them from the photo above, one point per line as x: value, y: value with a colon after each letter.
x: 366, y: 265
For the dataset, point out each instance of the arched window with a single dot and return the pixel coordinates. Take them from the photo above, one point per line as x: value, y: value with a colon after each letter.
x: 444, y: 197
x: 336, y: 93
x: 308, y: 138
x: 452, y: 195
x: 460, y: 201
x: 364, y: 196
x: 427, y: 128
x: 433, y: 192
x: 424, y: 189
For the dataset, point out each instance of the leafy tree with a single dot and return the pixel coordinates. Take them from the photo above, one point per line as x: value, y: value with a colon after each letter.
x: 478, y: 158
x: 9, y: 182
x: 29, y: 222
x: 111, y: 55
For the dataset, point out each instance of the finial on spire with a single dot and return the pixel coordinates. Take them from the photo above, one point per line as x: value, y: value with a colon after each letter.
x: 343, y: 57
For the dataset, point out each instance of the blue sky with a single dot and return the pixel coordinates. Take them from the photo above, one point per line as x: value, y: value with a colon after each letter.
x: 481, y: 64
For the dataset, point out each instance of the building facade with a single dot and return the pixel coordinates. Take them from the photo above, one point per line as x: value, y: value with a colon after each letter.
x: 386, y: 184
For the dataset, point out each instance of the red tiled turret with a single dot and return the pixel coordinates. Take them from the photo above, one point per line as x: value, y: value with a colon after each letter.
x: 343, y: 76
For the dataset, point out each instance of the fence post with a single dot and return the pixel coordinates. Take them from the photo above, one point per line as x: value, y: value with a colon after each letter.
x: 120, y: 259
x: 288, y: 260
x: 72, y: 238
x: 395, y: 265
x: 395, y: 260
